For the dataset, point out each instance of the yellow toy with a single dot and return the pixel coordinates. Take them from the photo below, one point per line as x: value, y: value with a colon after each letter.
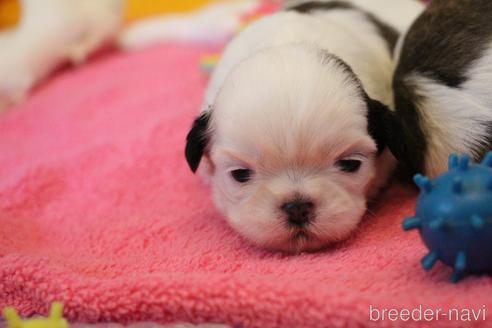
x: 55, y: 320
x: 138, y: 9
x: 9, y: 13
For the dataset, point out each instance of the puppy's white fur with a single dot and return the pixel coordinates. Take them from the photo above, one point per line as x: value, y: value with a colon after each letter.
x: 49, y: 33
x: 451, y: 114
x: 282, y: 106
x: 366, y: 52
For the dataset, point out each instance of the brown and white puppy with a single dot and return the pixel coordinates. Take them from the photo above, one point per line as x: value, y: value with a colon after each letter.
x: 442, y: 86
x: 292, y: 127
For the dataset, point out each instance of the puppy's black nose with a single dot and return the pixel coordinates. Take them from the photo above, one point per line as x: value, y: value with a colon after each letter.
x: 299, y: 212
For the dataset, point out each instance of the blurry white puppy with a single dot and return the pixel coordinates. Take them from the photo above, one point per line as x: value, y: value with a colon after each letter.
x: 212, y: 24
x: 442, y: 86
x: 292, y: 127
x: 49, y: 33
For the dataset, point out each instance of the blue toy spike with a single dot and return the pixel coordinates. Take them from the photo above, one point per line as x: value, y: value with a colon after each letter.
x: 412, y: 223
x: 457, y: 185
x: 459, y: 266
x: 477, y: 222
x: 437, y: 224
x: 453, y: 161
x: 487, y: 161
x: 465, y: 162
x: 429, y: 260
x: 423, y: 182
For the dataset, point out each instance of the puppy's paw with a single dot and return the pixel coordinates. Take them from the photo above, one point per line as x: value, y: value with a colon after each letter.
x: 81, y: 49
x: 13, y: 92
x: 11, y: 97
x: 15, y: 84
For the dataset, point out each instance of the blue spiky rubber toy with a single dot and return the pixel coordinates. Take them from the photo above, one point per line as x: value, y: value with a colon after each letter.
x: 454, y: 217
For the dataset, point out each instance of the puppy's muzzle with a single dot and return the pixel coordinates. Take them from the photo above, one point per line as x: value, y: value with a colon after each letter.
x: 299, y: 212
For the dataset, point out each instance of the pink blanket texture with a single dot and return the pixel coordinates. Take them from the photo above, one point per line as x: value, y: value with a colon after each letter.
x: 99, y: 210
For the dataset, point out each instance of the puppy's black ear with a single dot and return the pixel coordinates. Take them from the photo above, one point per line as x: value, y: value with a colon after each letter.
x: 387, y: 130
x: 379, y: 120
x: 197, y: 140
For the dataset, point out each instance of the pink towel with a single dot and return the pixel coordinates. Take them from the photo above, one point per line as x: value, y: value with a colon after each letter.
x: 99, y: 210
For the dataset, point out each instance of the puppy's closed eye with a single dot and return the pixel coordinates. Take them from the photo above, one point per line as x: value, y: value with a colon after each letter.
x: 241, y: 175
x: 349, y: 165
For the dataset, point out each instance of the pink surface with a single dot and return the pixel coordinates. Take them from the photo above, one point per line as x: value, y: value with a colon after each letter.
x: 99, y: 210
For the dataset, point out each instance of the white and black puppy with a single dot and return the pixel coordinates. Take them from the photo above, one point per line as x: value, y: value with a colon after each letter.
x: 291, y: 131
x: 443, y: 86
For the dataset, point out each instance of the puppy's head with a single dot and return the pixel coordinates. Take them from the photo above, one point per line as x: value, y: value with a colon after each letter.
x: 292, y: 148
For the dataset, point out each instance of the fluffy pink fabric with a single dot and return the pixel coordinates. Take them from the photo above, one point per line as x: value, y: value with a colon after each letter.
x: 99, y: 210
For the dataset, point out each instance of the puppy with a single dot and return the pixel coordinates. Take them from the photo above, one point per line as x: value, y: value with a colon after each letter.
x: 442, y: 86
x: 291, y: 131
x: 49, y: 33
